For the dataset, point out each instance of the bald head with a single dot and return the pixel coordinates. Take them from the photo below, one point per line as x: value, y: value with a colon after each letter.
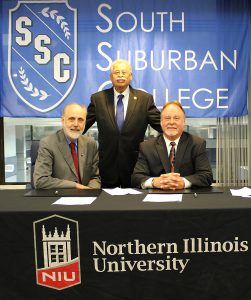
x: 73, y: 120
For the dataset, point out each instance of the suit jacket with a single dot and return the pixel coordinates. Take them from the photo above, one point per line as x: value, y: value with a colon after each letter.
x: 118, y: 151
x: 191, y: 160
x: 55, y: 168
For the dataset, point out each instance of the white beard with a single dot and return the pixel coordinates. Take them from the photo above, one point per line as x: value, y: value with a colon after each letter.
x: 72, y: 135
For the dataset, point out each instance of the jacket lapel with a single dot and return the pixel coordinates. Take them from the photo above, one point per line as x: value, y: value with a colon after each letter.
x: 131, y: 106
x: 181, y: 150
x: 110, y: 106
x: 82, y: 154
x: 163, y: 154
x: 66, y: 151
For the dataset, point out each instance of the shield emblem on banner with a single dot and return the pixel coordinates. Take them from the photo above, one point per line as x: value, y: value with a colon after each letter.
x: 42, y: 52
x: 56, y: 243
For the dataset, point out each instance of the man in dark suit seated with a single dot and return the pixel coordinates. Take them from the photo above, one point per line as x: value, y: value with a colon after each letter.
x: 122, y: 115
x: 67, y: 159
x: 175, y: 159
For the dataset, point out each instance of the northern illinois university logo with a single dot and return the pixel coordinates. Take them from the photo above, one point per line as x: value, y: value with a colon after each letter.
x: 42, y: 52
x: 57, y: 252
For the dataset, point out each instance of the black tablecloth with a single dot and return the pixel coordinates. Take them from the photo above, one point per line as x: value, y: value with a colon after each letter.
x: 129, y: 249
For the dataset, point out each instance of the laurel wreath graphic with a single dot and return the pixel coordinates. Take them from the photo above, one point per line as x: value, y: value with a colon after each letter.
x: 59, y: 19
x: 28, y: 86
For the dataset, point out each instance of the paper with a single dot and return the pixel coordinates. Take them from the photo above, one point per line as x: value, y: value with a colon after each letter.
x: 163, y: 198
x: 118, y: 191
x: 75, y: 200
x: 12, y: 187
x: 244, y: 192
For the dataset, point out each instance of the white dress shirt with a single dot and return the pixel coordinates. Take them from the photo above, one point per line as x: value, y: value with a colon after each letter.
x: 148, y: 183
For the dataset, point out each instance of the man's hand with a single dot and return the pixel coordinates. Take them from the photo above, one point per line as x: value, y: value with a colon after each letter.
x: 169, y: 181
x: 81, y: 186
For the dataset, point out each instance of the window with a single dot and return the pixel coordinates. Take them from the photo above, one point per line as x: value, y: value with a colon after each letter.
x: 19, y: 133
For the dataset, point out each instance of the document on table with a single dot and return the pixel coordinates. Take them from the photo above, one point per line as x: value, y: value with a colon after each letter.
x: 118, y: 191
x: 75, y: 200
x: 244, y: 192
x: 163, y: 198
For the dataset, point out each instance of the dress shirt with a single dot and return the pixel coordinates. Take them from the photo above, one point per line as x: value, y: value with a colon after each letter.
x: 148, y: 183
x: 75, y: 142
x: 168, y: 146
x: 125, y: 100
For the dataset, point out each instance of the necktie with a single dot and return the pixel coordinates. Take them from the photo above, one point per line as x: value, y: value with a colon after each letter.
x: 75, y: 159
x: 172, y: 156
x: 120, y: 112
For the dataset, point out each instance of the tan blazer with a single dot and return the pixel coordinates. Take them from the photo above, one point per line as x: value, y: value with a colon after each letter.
x: 54, y: 166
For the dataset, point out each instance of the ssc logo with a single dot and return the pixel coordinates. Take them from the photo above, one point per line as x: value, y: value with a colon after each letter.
x: 56, y: 243
x: 42, y: 52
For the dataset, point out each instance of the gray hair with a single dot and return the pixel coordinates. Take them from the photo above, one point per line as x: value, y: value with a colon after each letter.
x: 120, y: 61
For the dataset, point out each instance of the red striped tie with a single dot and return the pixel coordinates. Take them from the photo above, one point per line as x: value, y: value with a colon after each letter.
x: 172, y: 156
x: 75, y: 159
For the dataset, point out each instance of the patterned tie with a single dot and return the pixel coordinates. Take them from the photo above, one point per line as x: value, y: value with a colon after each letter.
x: 75, y: 159
x: 172, y: 156
x: 120, y: 112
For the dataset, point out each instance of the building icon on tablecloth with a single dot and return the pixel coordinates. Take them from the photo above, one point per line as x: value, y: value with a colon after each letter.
x: 56, y: 241
x: 56, y: 247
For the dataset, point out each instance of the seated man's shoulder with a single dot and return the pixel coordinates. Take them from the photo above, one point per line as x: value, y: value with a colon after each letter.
x: 88, y: 140
x: 49, y: 138
x: 194, y: 138
x: 52, y: 139
x: 150, y: 142
x: 193, y: 141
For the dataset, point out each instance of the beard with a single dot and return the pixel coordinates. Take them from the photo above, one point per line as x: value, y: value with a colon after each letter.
x: 171, y: 131
x: 73, y: 134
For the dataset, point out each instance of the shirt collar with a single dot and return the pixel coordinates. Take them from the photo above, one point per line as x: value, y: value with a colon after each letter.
x: 125, y: 93
x: 167, y: 141
x: 69, y: 141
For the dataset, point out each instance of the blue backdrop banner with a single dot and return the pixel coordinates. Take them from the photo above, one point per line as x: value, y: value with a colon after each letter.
x: 56, y: 52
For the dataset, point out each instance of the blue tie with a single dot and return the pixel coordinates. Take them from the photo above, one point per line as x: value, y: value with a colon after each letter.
x: 120, y: 112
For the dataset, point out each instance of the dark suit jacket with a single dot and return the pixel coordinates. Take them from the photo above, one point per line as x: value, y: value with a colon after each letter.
x: 118, y: 151
x: 191, y: 160
x: 55, y: 168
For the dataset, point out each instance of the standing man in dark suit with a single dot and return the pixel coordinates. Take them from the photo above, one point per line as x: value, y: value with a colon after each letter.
x: 175, y: 159
x: 122, y: 115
